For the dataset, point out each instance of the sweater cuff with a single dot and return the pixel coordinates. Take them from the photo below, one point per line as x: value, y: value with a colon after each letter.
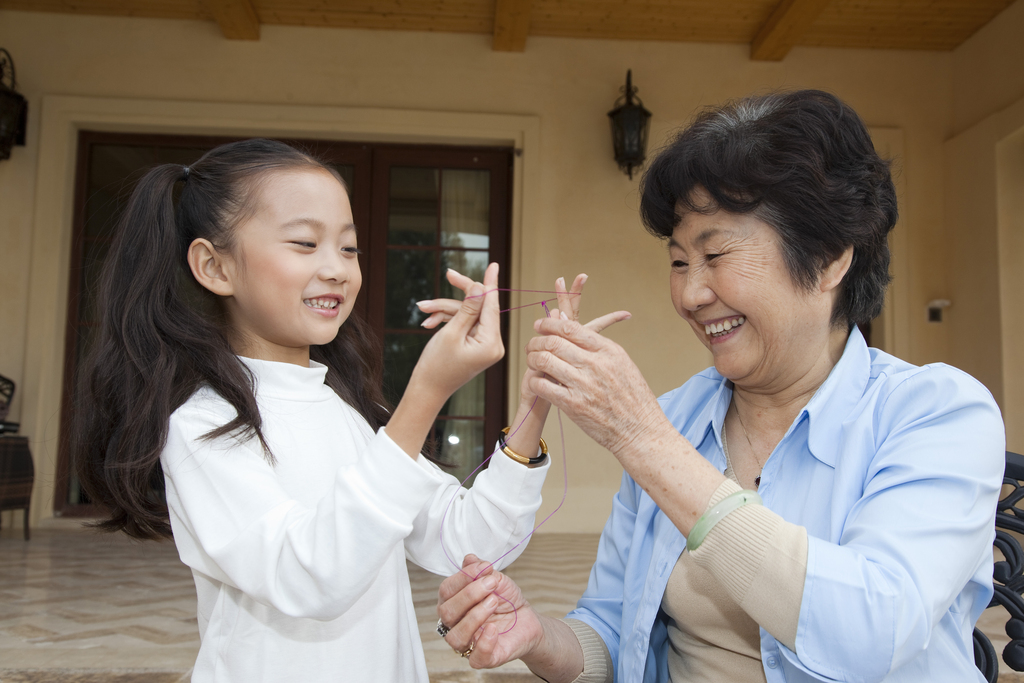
x: 761, y: 561
x: 597, y: 661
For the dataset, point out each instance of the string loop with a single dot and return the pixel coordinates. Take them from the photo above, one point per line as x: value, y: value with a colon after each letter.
x: 565, y: 471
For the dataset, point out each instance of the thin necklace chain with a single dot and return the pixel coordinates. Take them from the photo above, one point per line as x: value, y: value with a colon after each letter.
x: 753, y: 451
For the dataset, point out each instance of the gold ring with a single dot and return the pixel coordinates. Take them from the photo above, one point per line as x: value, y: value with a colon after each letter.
x: 469, y: 651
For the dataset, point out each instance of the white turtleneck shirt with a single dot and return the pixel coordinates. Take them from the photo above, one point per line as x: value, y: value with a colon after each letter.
x: 299, y: 565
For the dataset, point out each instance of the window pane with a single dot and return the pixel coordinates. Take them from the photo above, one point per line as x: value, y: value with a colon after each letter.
x: 465, y: 208
x: 411, y: 277
x: 401, y: 351
x: 462, y: 444
x: 472, y: 264
x: 412, y: 206
x: 468, y: 401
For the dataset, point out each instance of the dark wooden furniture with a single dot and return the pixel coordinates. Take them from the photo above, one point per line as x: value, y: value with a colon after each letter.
x: 16, y: 475
x: 6, y: 395
x: 1007, y: 574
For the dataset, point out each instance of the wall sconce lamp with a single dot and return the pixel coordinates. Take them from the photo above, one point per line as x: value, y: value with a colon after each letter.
x: 13, y: 108
x: 630, y: 122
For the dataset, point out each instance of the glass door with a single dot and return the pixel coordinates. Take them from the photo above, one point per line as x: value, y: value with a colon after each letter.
x: 442, y: 208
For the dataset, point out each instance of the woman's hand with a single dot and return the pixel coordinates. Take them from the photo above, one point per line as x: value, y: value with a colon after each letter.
x: 568, y: 309
x: 479, y: 613
x: 475, y: 614
x: 594, y: 381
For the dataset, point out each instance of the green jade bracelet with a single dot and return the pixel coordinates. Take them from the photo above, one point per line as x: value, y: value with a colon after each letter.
x: 715, y: 515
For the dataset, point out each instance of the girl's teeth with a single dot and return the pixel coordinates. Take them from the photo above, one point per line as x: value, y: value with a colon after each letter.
x: 321, y: 303
x: 725, y: 326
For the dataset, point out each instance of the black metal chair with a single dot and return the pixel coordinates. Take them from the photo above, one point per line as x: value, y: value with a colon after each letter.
x: 1007, y: 575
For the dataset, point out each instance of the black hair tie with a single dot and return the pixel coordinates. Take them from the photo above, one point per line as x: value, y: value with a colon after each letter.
x: 185, y: 171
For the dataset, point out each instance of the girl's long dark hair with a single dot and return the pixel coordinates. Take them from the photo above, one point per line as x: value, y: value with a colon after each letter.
x: 162, y: 335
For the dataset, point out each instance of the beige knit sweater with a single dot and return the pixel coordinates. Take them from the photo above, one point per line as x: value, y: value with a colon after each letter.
x: 748, y: 572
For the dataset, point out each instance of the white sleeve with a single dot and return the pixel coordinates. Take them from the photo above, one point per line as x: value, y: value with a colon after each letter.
x: 233, y: 521
x: 487, y: 520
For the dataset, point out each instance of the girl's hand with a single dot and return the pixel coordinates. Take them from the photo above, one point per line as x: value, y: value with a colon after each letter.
x: 443, y: 310
x: 474, y: 613
x: 470, y: 342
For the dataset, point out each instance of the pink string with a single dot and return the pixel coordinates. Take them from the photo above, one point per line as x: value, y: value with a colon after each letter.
x: 543, y: 302
x: 565, y: 471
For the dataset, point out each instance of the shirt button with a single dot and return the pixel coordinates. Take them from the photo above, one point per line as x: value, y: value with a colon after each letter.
x: 772, y: 662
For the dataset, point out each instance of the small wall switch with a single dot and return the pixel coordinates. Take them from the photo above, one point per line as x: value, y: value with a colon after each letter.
x: 935, y: 307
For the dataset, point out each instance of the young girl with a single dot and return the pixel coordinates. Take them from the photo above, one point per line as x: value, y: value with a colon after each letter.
x: 229, y: 372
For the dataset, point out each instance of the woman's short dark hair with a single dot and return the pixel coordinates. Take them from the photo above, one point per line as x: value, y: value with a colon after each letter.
x: 803, y: 163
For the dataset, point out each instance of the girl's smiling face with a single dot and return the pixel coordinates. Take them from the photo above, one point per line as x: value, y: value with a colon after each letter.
x: 729, y: 281
x: 292, y: 271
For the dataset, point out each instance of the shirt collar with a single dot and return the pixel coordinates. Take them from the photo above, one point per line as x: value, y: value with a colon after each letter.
x: 834, y: 400
x: 826, y: 411
x: 289, y: 381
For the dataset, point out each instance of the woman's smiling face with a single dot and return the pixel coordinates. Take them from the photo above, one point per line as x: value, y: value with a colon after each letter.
x: 728, y: 272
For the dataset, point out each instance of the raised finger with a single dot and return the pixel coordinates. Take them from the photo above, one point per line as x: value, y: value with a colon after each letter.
x: 435, y: 319
x: 490, y: 317
x: 449, y: 306
x: 458, y: 280
x: 607, y: 320
x: 564, y: 305
x: 469, y: 311
x: 575, y: 296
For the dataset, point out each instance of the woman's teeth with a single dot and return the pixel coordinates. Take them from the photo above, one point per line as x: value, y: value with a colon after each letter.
x: 718, y: 329
x: 321, y: 303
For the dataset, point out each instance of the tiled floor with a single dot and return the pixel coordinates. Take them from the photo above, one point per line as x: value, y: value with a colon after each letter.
x: 79, y: 607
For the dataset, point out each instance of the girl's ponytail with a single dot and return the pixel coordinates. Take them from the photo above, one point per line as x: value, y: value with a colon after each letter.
x: 143, y: 364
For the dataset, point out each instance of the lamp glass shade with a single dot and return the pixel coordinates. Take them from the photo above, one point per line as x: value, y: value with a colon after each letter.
x: 630, y: 123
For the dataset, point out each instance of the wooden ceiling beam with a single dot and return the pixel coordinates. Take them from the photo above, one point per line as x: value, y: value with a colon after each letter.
x: 237, y: 18
x: 786, y: 25
x: 511, y: 25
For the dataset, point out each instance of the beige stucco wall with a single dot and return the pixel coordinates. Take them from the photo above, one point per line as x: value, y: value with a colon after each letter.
x: 988, y: 69
x: 577, y: 212
x: 984, y: 162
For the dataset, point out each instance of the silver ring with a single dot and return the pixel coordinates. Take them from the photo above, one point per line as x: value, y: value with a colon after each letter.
x: 442, y: 630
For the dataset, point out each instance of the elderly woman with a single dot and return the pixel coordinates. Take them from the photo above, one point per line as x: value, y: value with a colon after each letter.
x: 809, y: 509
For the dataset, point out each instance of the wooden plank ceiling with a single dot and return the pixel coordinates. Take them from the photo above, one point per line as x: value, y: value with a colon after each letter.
x: 770, y: 27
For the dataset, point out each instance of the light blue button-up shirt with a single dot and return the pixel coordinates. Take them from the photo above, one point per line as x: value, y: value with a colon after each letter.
x: 893, y: 469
